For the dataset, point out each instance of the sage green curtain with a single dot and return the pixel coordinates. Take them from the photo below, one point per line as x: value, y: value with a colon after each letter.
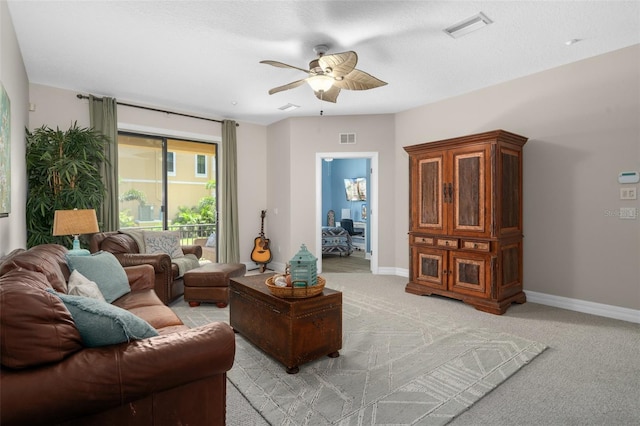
x: 228, y: 240
x: 104, y: 119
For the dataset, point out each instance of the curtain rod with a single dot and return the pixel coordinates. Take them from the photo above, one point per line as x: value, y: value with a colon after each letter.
x: 81, y: 96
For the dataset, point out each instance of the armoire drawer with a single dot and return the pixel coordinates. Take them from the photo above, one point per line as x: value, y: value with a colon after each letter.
x: 476, y: 245
x: 424, y: 240
x: 448, y: 242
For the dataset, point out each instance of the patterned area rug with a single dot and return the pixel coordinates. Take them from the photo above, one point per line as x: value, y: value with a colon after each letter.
x: 398, y: 365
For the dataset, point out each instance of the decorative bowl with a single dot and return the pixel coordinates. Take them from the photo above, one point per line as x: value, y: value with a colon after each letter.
x: 295, y: 292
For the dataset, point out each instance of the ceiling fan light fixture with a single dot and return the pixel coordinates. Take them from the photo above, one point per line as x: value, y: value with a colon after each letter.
x: 320, y: 83
x: 469, y: 25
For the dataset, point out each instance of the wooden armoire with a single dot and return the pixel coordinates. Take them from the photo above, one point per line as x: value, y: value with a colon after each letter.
x: 465, y: 224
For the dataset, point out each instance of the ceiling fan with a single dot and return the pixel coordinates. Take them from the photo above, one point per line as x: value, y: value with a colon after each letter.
x: 328, y: 74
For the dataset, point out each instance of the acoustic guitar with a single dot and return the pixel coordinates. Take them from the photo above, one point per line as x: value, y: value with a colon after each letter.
x: 261, y: 252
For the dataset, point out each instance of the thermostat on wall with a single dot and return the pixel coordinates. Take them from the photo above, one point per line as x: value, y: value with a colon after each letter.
x: 628, y: 177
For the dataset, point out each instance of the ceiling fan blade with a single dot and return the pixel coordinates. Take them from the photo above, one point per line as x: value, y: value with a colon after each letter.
x: 287, y: 86
x: 358, y: 80
x: 283, y: 65
x: 330, y: 95
x: 341, y: 64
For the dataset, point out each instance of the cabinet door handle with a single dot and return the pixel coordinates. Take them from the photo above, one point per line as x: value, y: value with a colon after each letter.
x: 451, y: 193
x: 444, y: 193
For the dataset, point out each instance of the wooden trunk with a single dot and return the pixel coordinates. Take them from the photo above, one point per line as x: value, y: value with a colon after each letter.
x: 293, y: 331
x: 465, y: 236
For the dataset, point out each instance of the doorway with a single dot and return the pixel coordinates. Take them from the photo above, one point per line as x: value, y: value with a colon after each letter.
x: 365, y: 217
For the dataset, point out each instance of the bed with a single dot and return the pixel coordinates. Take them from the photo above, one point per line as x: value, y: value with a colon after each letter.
x: 335, y: 240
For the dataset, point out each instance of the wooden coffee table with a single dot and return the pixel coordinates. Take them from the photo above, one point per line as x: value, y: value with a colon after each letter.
x: 293, y: 331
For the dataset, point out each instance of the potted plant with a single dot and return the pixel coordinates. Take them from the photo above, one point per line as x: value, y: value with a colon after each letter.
x: 62, y: 174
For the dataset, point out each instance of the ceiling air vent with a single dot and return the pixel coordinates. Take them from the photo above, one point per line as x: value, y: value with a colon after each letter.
x: 468, y: 25
x: 347, y: 138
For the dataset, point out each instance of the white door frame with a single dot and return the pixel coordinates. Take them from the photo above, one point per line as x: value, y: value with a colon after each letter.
x: 372, y: 193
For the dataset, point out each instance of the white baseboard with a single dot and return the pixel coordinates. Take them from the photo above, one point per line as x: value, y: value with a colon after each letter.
x: 593, y: 308
x: 400, y: 272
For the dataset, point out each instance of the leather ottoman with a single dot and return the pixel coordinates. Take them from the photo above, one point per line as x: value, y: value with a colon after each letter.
x: 210, y: 283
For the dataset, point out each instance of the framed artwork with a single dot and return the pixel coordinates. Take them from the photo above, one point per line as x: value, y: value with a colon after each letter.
x: 5, y: 153
x: 356, y: 189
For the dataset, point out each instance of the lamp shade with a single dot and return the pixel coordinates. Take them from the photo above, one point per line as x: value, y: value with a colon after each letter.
x: 320, y: 83
x: 75, y: 222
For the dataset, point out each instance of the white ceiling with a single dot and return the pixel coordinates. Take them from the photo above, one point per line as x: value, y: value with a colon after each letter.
x: 202, y: 57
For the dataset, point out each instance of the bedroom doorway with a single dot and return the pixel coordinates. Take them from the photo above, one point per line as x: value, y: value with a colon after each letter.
x: 361, y: 211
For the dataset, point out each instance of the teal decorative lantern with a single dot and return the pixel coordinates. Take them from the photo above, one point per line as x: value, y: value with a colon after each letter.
x: 304, y: 268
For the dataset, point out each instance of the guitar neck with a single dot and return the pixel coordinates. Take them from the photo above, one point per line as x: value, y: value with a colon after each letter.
x: 264, y: 213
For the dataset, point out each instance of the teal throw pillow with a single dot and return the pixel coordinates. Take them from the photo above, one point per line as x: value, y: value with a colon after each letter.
x: 102, y: 324
x: 103, y: 269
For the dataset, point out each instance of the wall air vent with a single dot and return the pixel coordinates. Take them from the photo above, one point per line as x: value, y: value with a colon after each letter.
x: 347, y: 138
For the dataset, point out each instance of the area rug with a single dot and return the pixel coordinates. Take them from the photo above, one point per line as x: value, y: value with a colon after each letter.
x: 398, y: 365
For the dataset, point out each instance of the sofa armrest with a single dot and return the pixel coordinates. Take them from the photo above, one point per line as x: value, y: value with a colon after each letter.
x: 193, y: 249
x: 141, y: 277
x: 163, y: 271
x: 96, y: 379
x: 161, y: 262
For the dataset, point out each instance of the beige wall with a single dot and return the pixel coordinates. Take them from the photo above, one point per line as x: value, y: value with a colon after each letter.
x: 13, y: 76
x: 583, y: 124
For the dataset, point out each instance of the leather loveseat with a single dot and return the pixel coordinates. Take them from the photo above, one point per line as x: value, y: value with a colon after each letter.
x: 168, y: 284
x: 49, y: 376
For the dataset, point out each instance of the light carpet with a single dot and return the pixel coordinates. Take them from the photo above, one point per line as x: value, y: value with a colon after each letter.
x: 398, y: 365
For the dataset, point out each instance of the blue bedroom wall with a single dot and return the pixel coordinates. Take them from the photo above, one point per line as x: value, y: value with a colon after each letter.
x: 333, y: 191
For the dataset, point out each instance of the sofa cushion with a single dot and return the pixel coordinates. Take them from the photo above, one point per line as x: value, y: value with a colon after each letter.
x: 79, y: 285
x: 145, y: 304
x: 35, y: 326
x: 102, y: 324
x: 104, y: 269
x: 158, y: 242
x: 48, y: 259
x: 119, y: 244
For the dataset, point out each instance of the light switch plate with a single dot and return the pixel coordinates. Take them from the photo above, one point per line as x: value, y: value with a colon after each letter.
x: 628, y: 193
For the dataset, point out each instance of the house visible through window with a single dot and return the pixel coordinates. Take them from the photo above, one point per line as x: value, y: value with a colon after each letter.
x: 161, y: 186
x: 171, y: 163
x: 201, y: 165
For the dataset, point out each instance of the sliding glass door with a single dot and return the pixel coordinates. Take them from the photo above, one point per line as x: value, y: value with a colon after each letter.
x: 170, y: 184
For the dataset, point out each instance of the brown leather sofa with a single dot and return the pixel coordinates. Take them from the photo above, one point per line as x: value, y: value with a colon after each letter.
x: 167, y: 283
x: 48, y: 377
